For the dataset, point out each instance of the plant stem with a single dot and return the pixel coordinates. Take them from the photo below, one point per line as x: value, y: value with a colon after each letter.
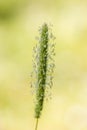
x: 36, y: 124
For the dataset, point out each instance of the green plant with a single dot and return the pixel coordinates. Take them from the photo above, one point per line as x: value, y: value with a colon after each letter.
x: 43, y: 67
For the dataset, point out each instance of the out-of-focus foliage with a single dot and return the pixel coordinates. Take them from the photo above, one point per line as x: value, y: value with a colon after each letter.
x: 19, y: 22
x: 10, y: 8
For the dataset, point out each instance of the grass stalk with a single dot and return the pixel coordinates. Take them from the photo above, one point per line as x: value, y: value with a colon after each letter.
x: 36, y: 126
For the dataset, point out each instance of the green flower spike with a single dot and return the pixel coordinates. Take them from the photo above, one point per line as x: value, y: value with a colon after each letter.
x: 43, y: 65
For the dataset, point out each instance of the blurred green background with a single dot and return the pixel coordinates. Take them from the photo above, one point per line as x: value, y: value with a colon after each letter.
x: 19, y: 22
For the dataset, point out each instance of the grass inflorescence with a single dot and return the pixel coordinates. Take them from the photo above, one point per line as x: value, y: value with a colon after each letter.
x: 43, y: 64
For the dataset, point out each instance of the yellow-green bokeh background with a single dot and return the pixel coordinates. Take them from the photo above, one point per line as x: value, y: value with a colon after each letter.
x: 19, y: 22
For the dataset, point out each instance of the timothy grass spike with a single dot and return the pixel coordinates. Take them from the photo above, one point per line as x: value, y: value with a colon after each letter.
x: 43, y: 68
